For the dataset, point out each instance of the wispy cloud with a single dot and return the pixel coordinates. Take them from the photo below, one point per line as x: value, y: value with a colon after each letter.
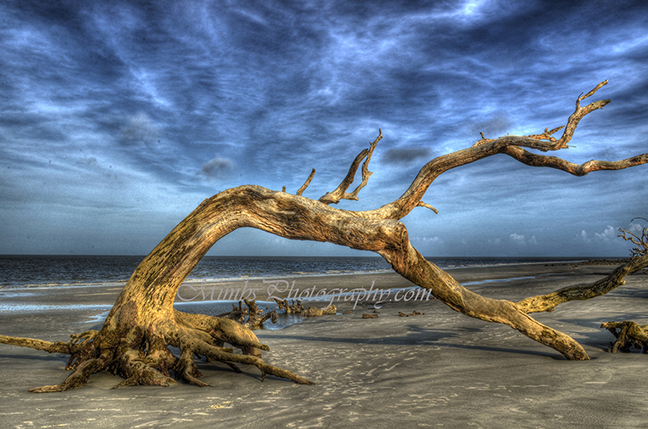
x: 132, y: 99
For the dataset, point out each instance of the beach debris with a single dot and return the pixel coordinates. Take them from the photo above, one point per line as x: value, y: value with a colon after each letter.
x: 252, y: 312
x: 630, y: 334
x: 348, y: 312
x: 415, y: 313
x: 297, y: 308
x: 369, y: 316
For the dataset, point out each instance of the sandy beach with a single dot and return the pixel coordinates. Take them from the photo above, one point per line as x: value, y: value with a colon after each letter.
x: 439, y: 369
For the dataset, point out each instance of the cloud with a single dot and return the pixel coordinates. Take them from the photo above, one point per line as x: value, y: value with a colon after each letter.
x: 140, y: 128
x: 90, y: 83
x: 610, y: 233
x: 521, y: 240
x: 430, y: 240
x: 405, y: 155
x: 217, y: 168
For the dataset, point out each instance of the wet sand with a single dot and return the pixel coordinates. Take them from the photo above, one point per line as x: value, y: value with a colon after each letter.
x: 440, y: 369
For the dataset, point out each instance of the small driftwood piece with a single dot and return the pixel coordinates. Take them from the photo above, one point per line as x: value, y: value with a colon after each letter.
x: 415, y: 313
x: 253, y: 314
x: 628, y: 334
x: 297, y: 308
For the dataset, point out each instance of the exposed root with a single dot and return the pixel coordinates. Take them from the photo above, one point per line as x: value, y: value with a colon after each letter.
x: 57, y: 347
x: 143, y: 358
x: 223, y: 356
x: 187, y: 369
x: 78, y: 378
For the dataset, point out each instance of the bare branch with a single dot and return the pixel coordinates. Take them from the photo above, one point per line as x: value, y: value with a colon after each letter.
x: 305, y: 185
x: 513, y: 146
x: 589, y: 94
x: 535, y: 160
x: 641, y: 243
x: 340, y: 193
x: 547, y: 135
x: 549, y: 302
x: 426, y: 205
x: 579, y: 114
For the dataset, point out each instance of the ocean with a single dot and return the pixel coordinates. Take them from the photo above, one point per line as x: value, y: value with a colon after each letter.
x: 20, y: 271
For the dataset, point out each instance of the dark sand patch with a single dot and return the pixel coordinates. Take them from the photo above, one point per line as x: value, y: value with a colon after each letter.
x: 441, y: 369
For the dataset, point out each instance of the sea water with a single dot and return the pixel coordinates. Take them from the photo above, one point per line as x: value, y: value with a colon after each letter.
x: 22, y: 275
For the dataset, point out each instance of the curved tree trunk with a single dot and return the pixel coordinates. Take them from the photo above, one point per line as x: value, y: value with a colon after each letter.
x: 135, y: 338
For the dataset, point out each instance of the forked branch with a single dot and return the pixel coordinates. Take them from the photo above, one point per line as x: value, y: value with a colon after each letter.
x: 641, y: 243
x: 513, y: 146
x: 340, y: 193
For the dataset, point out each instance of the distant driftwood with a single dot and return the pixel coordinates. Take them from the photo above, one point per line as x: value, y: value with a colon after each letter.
x: 297, y: 308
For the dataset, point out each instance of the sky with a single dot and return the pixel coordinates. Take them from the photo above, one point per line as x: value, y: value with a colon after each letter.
x: 119, y: 117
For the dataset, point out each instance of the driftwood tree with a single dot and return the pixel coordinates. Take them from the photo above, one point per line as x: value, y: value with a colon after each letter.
x: 135, y: 338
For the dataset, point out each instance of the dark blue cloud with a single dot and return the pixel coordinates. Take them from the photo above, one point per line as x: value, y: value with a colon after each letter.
x: 120, y: 112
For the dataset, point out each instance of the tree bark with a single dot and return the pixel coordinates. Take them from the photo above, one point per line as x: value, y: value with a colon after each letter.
x: 135, y: 338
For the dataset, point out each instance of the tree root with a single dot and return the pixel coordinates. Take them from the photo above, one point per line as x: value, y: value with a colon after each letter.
x: 143, y: 358
x: 630, y: 334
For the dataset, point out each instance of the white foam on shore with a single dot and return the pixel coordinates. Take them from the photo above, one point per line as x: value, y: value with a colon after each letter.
x: 31, y: 308
x: 510, y: 279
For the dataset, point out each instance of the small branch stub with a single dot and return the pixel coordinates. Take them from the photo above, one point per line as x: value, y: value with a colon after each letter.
x: 305, y: 185
x: 427, y: 206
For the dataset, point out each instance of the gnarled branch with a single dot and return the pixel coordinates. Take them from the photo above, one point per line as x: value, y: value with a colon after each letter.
x: 641, y: 243
x: 340, y: 193
x: 487, y: 147
x: 548, y: 302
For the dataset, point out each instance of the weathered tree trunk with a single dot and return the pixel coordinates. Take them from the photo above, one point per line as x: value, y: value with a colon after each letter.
x: 135, y: 338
